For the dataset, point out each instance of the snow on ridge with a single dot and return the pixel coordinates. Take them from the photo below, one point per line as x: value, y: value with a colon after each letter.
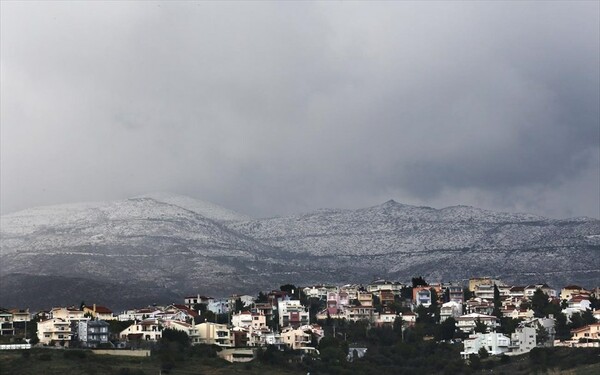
x: 207, y: 209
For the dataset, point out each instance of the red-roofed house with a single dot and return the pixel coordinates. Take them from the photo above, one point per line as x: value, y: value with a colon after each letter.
x: 591, y: 332
x: 99, y: 312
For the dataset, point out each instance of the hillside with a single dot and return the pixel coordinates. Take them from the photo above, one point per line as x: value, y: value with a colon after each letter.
x: 178, y: 245
x: 395, y: 241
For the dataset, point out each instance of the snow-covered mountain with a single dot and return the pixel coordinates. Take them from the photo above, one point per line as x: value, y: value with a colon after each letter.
x: 206, y: 209
x: 171, y: 245
x: 137, y: 240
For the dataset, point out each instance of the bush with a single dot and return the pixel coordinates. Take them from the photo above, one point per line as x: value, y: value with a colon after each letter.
x: 475, y: 362
x: 128, y: 371
x: 483, y: 353
x: 74, y: 354
x: 204, y: 350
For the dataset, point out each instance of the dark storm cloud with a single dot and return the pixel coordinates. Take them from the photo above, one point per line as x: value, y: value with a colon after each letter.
x: 272, y: 108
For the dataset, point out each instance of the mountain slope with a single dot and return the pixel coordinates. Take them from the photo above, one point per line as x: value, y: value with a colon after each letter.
x: 173, y: 245
x: 137, y: 240
x: 396, y: 240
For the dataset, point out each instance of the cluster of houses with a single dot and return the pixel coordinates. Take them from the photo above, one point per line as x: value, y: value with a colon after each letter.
x: 281, y: 320
x: 516, y: 303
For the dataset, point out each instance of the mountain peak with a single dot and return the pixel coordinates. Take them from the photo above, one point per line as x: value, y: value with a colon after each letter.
x: 207, y: 209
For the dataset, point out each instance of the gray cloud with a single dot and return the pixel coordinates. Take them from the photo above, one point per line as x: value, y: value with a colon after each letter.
x: 271, y: 108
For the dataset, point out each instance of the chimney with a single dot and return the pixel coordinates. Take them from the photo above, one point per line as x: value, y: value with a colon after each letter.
x: 94, y: 308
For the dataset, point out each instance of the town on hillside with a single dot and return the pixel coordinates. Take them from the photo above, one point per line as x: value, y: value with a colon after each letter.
x: 484, y: 316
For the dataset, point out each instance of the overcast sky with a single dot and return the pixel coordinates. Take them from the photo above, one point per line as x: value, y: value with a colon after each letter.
x: 272, y: 108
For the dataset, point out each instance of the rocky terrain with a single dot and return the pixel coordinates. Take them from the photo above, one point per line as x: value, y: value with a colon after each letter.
x: 157, y: 247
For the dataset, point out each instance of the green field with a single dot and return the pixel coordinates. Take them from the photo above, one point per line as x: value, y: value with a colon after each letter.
x: 72, y: 362
x: 50, y: 362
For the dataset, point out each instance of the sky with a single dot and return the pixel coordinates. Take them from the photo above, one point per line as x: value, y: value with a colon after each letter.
x: 273, y: 108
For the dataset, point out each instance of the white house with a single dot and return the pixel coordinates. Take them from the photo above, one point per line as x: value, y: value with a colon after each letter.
x: 484, y: 291
x: 246, y: 319
x: 450, y: 309
x: 530, y: 290
x: 386, y: 318
x: 213, y: 334
x: 68, y: 314
x: 409, y: 319
x: 352, y: 290
x: 523, y: 340
x: 274, y: 338
x: 494, y: 343
x: 384, y: 285
x: 316, y: 291
x: 148, y: 329
x: 7, y: 327
x: 467, y: 323
x: 296, y: 338
x: 19, y: 315
x: 179, y: 326
x: 139, y: 314
x: 218, y: 306
x: 580, y: 303
x: 292, y: 313
x: 356, y: 313
x: 54, y: 330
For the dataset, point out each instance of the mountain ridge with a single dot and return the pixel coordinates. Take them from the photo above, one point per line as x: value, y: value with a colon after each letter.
x: 178, y: 250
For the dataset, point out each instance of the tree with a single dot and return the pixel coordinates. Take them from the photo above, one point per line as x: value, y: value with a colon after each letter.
x: 594, y: 303
x: 262, y: 298
x: 239, y: 305
x: 480, y: 326
x: 588, y: 317
x: 508, y: 325
x: 290, y: 289
x: 434, y: 308
x: 274, y: 322
x: 539, y: 303
x: 209, y: 316
x: 562, y: 329
x: 483, y: 353
x: 446, y: 329
x: 424, y: 316
x: 497, y: 303
x: 173, y: 335
x: 541, y: 335
x: 474, y: 362
x: 406, y: 292
x: 200, y: 307
x: 467, y: 294
x: 419, y: 281
x: 377, y: 304
x: 576, y: 321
